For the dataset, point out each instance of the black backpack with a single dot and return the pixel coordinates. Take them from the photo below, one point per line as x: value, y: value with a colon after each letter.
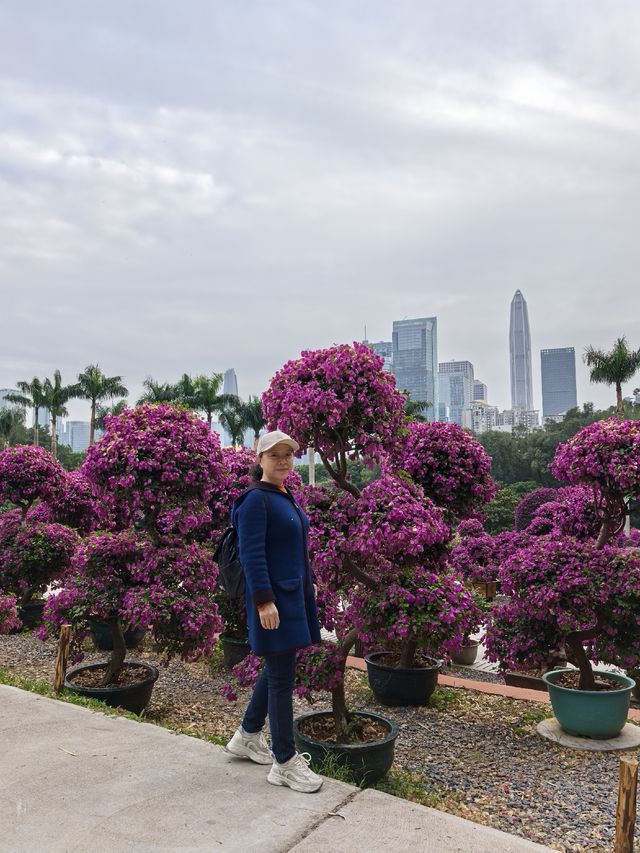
x: 230, y: 572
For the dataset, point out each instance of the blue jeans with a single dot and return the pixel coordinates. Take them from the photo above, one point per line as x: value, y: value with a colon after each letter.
x: 273, y: 695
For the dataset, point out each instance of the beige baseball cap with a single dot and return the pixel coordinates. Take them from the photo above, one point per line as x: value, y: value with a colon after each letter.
x: 269, y: 439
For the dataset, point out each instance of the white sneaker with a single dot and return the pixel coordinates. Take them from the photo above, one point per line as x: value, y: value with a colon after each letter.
x: 296, y: 773
x: 250, y: 745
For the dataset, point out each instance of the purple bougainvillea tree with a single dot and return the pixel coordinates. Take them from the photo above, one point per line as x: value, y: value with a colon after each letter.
x: 9, y: 619
x: 34, y: 548
x: 571, y: 584
x: 158, y: 467
x: 605, y: 457
x: 379, y: 553
x: 451, y: 466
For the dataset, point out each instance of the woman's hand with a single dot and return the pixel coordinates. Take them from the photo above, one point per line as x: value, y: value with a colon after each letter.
x: 269, y: 617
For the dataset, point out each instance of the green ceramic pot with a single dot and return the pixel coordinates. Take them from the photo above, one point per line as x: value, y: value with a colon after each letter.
x: 597, y: 714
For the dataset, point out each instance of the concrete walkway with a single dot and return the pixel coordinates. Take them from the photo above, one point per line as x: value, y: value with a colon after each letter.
x: 74, y: 780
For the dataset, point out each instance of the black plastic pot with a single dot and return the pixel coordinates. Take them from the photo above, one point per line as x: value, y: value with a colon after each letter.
x: 367, y: 762
x: 401, y: 685
x: 30, y: 614
x: 132, y: 697
x: 513, y: 678
x: 101, y: 635
x: 234, y: 649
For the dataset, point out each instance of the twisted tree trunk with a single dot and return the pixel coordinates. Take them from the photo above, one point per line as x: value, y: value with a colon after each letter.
x: 116, y: 659
x: 338, y: 698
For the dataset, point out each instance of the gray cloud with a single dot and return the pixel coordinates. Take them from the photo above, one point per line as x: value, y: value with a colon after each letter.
x: 227, y: 184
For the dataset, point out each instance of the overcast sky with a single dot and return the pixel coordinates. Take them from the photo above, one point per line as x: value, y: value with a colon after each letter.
x: 187, y: 187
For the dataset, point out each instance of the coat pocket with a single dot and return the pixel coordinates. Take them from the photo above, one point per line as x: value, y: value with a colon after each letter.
x: 289, y: 599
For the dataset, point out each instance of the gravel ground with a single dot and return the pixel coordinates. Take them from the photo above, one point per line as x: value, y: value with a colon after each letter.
x: 472, y: 754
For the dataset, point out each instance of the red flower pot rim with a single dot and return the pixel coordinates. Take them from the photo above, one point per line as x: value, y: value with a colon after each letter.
x: 626, y: 682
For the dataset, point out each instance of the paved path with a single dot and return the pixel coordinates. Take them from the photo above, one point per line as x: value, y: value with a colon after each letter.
x: 74, y: 781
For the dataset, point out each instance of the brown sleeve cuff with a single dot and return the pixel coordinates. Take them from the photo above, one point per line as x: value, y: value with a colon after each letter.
x: 262, y: 596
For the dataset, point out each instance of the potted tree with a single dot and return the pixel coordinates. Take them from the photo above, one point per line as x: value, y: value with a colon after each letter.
x: 157, y: 466
x: 379, y: 542
x: 582, y: 594
x: 34, y: 551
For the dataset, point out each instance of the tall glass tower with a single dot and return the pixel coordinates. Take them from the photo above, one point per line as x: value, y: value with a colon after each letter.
x: 558, y: 380
x: 415, y: 360
x: 520, y: 354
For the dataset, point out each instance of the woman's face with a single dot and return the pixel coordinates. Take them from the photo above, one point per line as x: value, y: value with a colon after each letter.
x: 276, y: 463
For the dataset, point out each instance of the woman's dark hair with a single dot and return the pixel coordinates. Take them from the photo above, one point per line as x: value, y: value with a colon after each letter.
x: 255, y: 472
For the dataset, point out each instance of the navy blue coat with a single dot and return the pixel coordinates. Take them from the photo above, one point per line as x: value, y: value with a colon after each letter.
x: 272, y: 544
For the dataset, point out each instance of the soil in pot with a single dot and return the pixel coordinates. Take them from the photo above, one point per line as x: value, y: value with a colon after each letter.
x: 131, y: 692
x: 602, y: 682
x: 393, y: 685
x: 366, y: 761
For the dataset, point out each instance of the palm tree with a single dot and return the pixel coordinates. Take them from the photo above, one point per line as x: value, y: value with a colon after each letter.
x: 415, y: 410
x: 157, y: 392
x: 55, y: 395
x: 613, y: 368
x: 11, y: 426
x: 103, y: 411
x: 231, y: 419
x: 252, y: 417
x: 184, y: 391
x: 206, y: 397
x: 32, y: 397
x: 93, y: 385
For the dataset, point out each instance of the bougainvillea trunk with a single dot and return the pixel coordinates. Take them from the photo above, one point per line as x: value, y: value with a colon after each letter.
x: 408, y: 654
x: 340, y: 715
x: 338, y: 696
x: 116, y: 659
x: 574, y: 641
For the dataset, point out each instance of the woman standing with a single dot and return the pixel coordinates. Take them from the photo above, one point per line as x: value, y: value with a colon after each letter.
x: 281, y: 611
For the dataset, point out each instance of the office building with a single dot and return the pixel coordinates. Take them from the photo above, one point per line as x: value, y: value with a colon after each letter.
x: 230, y: 385
x: 415, y: 361
x: 479, y: 416
x: 456, y: 386
x: 520, y: 354
x: 558, y: 370
x: 480, y: 391
x: 75, y: 434
x: 385, y: 350
x: 529, y: 418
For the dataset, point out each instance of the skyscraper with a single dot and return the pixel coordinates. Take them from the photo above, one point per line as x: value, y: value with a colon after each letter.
x: 385, y: 350
x: 520, y: 354
x: 558, y: 368
x: 230, y: 385
x: 459, y: 376
x: 415, y: 360
x: 480, y: 390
